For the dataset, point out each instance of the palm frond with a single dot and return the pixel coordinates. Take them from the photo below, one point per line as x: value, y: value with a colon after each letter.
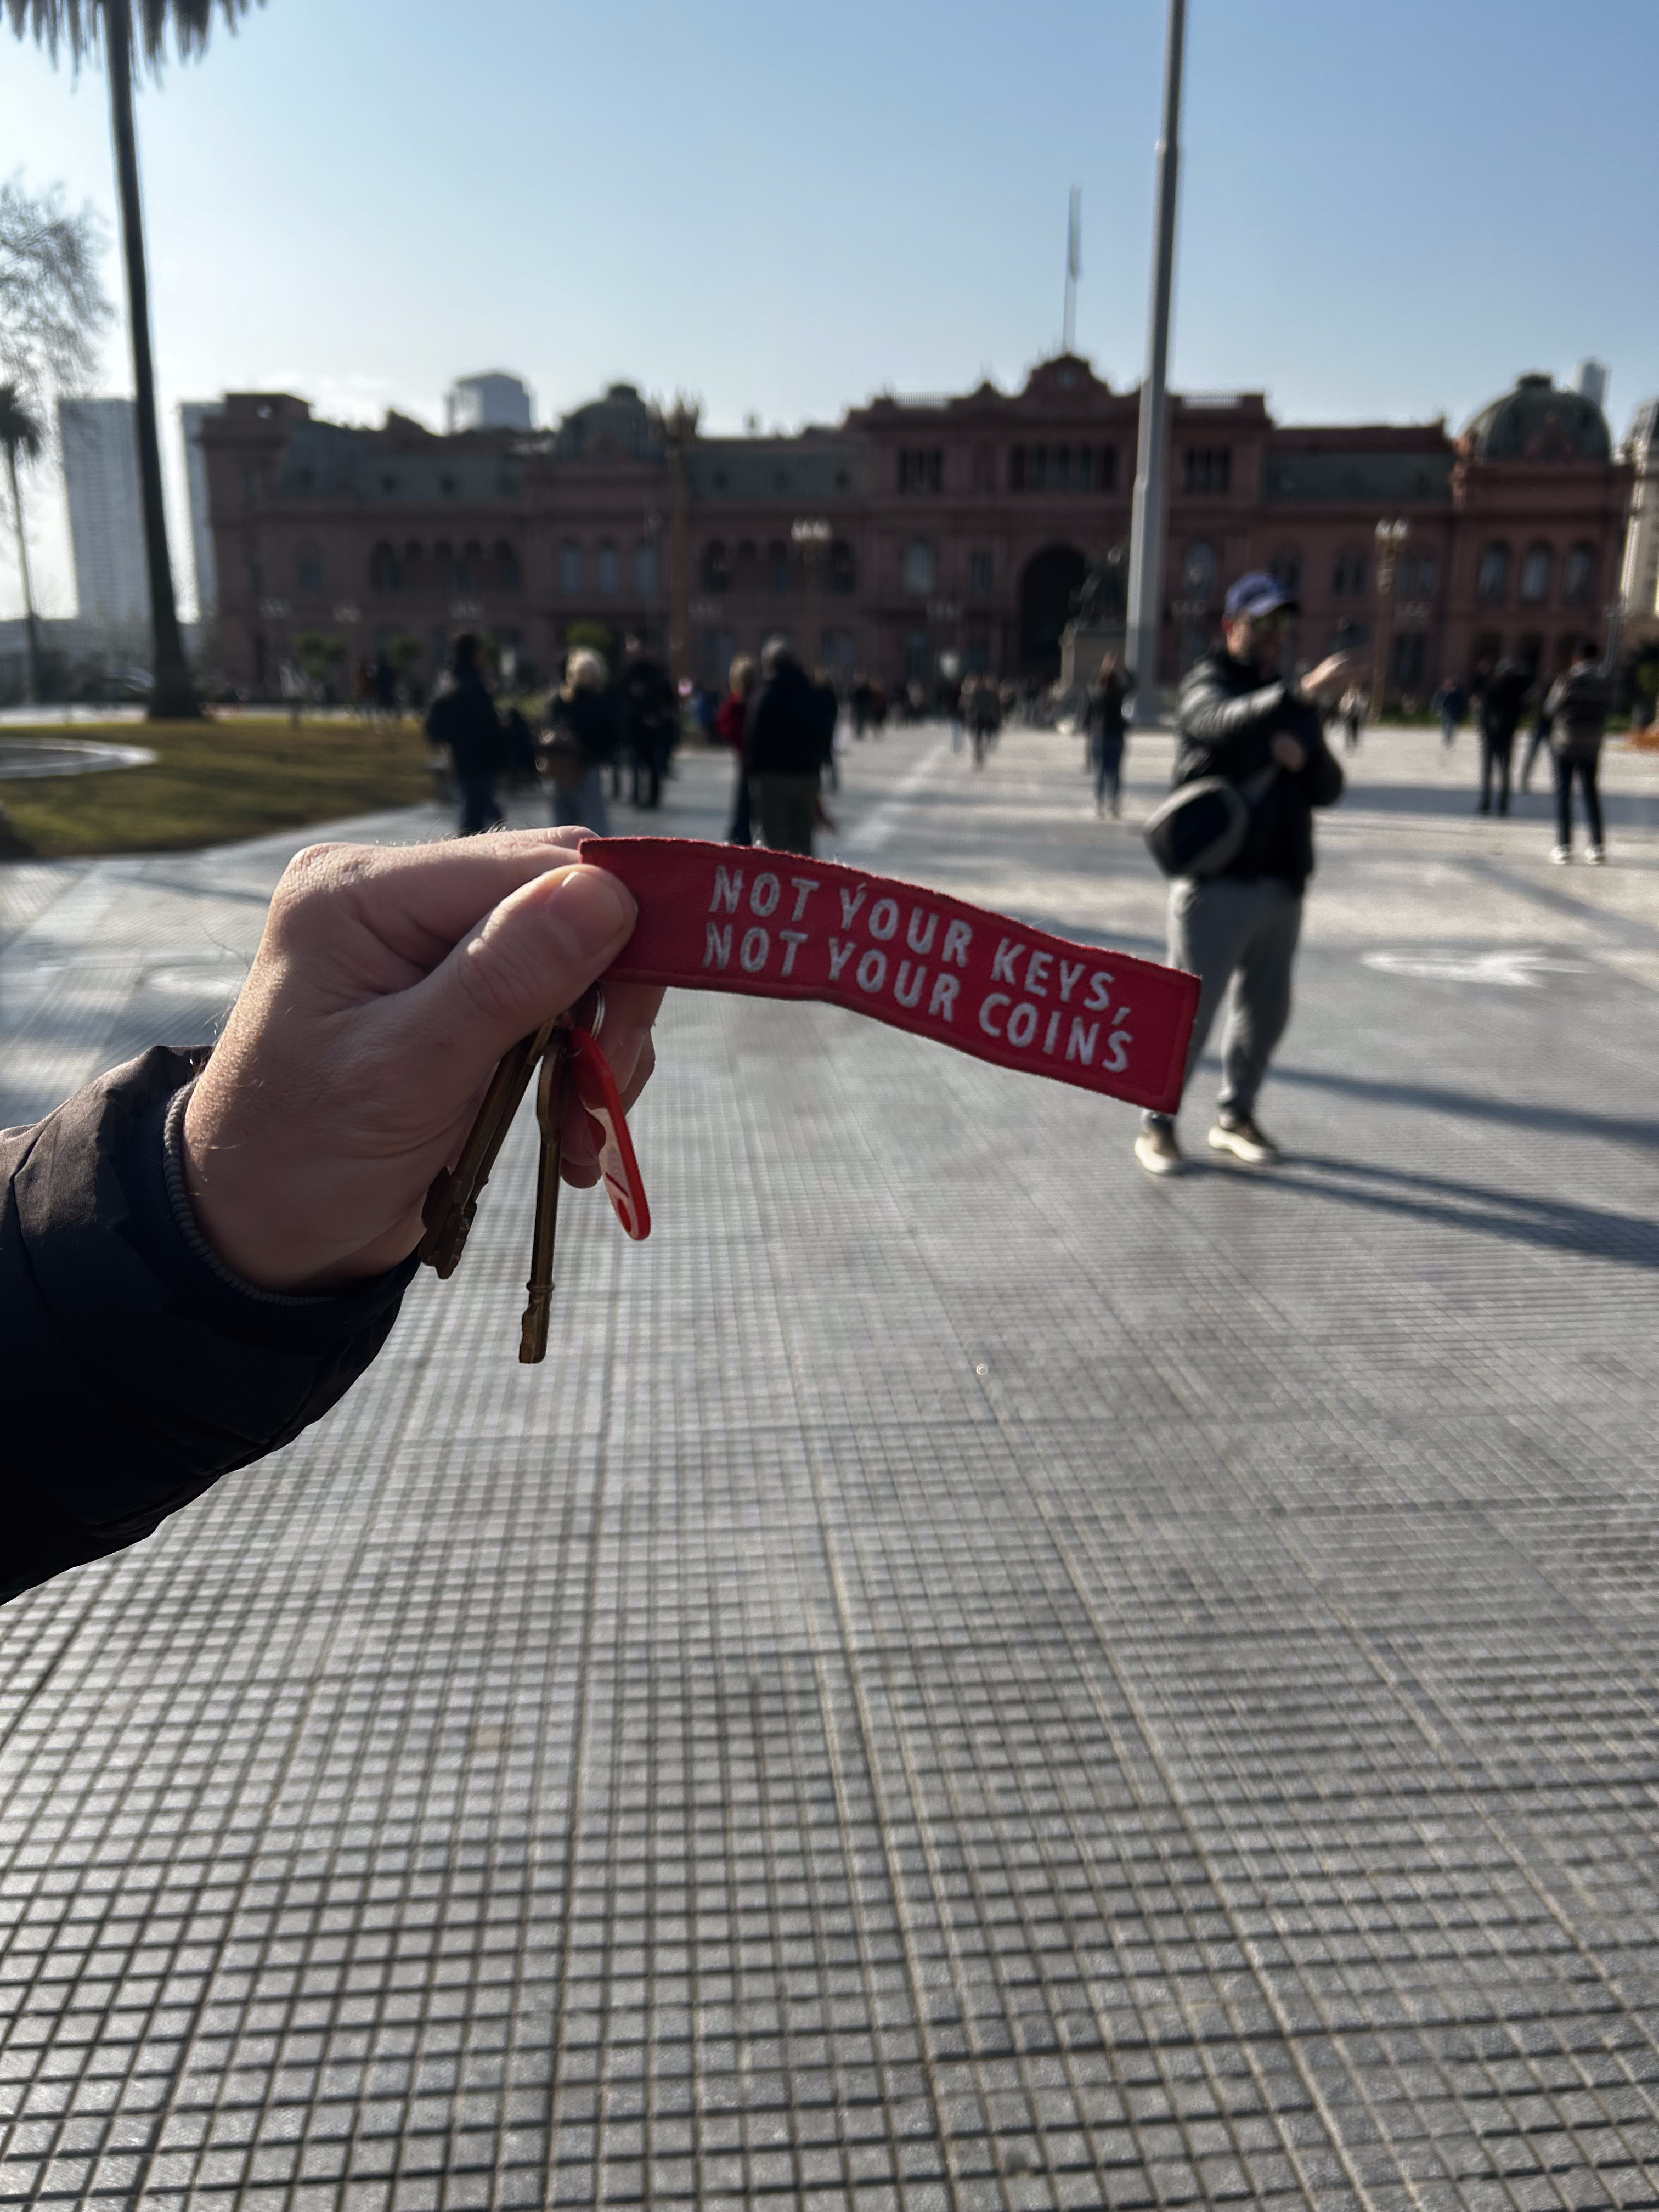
x: 73, y: 24
x: 20, y: 429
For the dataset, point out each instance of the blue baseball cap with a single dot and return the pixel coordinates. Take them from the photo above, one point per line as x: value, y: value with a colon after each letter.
x: 1259, y: 594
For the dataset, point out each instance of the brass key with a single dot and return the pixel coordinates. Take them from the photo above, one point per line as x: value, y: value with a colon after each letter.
x: 549, y: 1115
x: 452, y: 1199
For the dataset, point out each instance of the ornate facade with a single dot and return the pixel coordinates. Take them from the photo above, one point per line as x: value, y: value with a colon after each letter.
x: 916, y: 528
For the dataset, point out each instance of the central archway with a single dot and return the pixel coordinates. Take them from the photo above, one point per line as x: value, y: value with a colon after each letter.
x: 1051, y: 580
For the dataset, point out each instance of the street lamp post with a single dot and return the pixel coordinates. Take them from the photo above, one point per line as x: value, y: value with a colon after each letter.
x: 1391, y: 535
x: 1146, y: 522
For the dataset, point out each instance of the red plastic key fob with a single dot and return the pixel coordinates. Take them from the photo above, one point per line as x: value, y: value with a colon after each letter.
x: 596, y: 1087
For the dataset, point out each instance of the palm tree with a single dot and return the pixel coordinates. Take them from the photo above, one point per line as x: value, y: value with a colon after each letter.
x: 74, y: 23
x: 20, y: 433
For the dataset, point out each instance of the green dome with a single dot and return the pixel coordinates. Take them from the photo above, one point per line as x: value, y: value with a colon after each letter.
x: 1536, y: 421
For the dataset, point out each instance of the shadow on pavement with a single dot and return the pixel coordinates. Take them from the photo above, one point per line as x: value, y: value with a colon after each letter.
x: 1628, y: 809
x: 1549, y: 1224
x: 1565, y: 1121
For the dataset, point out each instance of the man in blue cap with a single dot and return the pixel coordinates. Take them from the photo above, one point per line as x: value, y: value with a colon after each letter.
x: 1239, y: 720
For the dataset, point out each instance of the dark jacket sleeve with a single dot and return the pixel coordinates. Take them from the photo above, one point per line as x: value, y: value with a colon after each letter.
x: 138, y: 1368
x: 1224, y: 733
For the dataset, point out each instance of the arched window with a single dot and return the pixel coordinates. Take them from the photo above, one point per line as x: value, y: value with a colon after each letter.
x: 1285, y: 569
x: 384, y: 572
x: 645, y: 568
x: 918, y: 568
x: 1578, y: 574
x: 1199, y: 570
x: 570, y: 566
x: 840, y: 569
x: 1536, y: 569
x: 777, y: 566
x: 413, y: 567
x: 506, y: 574
x: 747, y: 559
x: 469, y: 569
x: 308, y: 569
x: 610, y: 567
x: 1348, y: 574
x: 1491, y: 581
x: 443, y: 565
x: 714, y: 570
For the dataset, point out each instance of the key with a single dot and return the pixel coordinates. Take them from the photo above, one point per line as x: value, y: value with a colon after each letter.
x: 550, y: 1092
x: 452, y: 1200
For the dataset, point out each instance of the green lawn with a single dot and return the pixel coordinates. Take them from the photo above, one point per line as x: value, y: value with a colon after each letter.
x: 215, y: 781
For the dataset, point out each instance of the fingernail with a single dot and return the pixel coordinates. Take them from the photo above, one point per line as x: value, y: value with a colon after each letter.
x: 588, y: 910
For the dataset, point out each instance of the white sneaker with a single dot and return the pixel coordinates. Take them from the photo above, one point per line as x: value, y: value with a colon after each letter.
x: 1597, y: 856
x: 1561, y: 854
x: 1241, y: 1137
x: 1157, y: 1150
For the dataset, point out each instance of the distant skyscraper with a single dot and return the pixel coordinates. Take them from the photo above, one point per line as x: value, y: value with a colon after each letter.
x: 192, y: 413
x: 492, y: 401
x: 106, y: 529
x: 1589, y: 380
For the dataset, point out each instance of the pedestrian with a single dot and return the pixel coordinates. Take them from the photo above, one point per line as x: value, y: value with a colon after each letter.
x: 580, y: 744
x: 863, y: 704
x: 783, y: 749
x: 464, y: 721
x: 383, y: 688
x: 1502, y: 693
x: 729, y: 724
x: 1103, y: 718
x: 983, y: 710
x: 1351, y: 711
x: 1449, y: 702
x: 1236, y: 930
x: 828, y: 702
x: 1578, y: 704
x: 1537, y: 737
x: 519, y: 745
x: 650, y: 720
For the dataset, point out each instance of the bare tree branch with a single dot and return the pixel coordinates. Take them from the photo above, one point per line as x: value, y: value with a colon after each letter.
x: 53, y: 305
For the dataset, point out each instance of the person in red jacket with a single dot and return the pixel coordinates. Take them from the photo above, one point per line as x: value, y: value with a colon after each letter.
x: 730, y: 723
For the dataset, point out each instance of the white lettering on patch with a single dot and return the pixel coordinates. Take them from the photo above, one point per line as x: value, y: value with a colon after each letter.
x: 753, y: 951
x: 1071, y: 972
x: 850, y: 903
x: 794, y: 940
x: 1002, y: 967
x: 958, y: 937
x: 765, y: 894
x: 728, y: 882
x: 943, y: 999
x: 996, y: 999
x: 1080, y: 1044
x: 716, y: 945
x: 840, y: 954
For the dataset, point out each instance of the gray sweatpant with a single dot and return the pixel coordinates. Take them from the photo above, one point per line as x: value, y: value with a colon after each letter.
x: 1224, y: 931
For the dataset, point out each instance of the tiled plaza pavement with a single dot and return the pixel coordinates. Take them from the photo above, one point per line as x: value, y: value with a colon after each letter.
x: 972, y: 1679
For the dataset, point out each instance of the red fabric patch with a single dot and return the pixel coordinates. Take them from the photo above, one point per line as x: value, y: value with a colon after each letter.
x: 777, y: 926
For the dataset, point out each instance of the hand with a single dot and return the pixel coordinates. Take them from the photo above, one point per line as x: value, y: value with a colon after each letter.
x: 1290, y: 752
x: 1334, y: 674
x: 388, y: 983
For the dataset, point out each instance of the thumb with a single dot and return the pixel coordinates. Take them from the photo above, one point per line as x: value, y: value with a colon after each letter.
x: 530, y: 959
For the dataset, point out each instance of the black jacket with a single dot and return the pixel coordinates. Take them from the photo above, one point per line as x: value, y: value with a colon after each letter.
x: 649, y: 707
x: 138, y: 1370
x: 1103, y: 710
x: 466, y: 720
x: 785, y: 734
x: 1226, y: 720
x: 1577, y: 710
x: 1502, y: 698
x: 586, y: 720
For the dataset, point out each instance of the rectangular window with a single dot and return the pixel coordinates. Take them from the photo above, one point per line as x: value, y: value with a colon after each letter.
x: 1085, y: 468
x: 1208, y: 470
x: 1108, y: 467
x: 1039, y: 473
x: 978, y: 575
x: 920, y: 468
x: 1062, y: 468
x: 1017, y: 468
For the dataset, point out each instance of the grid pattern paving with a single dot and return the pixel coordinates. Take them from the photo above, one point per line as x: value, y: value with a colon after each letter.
x: 972, y: 1679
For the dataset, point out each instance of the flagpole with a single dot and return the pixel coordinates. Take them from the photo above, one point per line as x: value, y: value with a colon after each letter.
x: 1146, y: 612
x: 1073, y: 266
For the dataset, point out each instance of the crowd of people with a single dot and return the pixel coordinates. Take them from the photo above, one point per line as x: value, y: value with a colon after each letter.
x: 1569, y: 721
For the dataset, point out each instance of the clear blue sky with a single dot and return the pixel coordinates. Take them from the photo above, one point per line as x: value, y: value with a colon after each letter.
x: 1389, y: 207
